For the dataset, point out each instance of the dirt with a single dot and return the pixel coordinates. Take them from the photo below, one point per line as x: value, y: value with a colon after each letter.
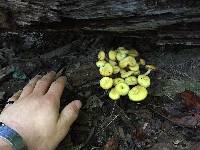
x: 104, y: 124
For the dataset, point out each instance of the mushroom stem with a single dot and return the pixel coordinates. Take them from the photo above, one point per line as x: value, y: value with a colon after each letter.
x: 148, y: 72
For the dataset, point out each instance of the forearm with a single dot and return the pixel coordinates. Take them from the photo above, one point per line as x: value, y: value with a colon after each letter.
x: 5, y: 145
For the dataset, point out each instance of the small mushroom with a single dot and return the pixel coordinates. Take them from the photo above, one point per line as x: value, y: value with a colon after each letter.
x: 113, y: 94
x: 144, y: 81
x: 116, y: 69
x: 120, y: 56
x: 113, y: 63
x: 138, y: 93
x: 126, y: 74
x: 133, y: 53
x: 134, y: 68
x: 106, y: 83
x: 132, y: 80
x: 123, y: 63
x: 127, y: 61
x: 106, y: 70
x: 112, y: 55
x: 136, y: 73
x: 131, y: 61
x: 117, y: 81
x: 100, y: 63
x: 101, y: 55
x: 142, y: 62
x: 122, y: 71
x: 150, y: 68
x: 122, y: 50
x: 122, y: 89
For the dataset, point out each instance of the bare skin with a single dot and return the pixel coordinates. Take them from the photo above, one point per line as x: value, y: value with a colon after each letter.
x: 35, y: 113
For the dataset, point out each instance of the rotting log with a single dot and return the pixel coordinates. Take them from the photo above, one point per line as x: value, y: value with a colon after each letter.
x: 163, y: 21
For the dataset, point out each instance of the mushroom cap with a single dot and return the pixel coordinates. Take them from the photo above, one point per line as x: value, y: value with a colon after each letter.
x: 113, y: 63
x: 136, y: 73
x: 131, y: 61
x: 133, y: 53
x: 122, y: 50
x: 120, y: 56
x: 112, y: 55
x: 142, y: 62
x: 122, y: 89
x: 101, y: 55
x: 138, y: 93
x: 106, y: 70
x: 118, y: 80
x: 106, y: 83
x: 126, y: 74
x: 116, y: 69
x: 132, y: 80
x: 123, y: 63
x: 134, y: 68
x: 113, y: 94
x: 122, y: 71
x: 151, y: 67
x: 100, y: 63
x: 144, y: 81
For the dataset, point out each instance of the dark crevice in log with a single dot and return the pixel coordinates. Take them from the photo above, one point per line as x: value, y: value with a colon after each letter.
x: 166, y: 21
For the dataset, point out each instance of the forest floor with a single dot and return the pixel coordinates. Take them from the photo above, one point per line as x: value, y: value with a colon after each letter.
x: 168, y: 119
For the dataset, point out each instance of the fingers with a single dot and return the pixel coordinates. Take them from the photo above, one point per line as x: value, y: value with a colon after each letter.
x: 43, y: 84
x: 28, y: 89
x: 68, y: 115
x: 57, y: 87
x: 14, y: 97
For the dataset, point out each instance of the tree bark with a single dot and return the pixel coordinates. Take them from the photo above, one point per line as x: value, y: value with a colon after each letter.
x: 164, y: 21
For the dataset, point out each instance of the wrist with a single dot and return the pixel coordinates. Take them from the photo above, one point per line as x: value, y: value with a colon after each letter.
x: 5, y: 145
x: 11, y: 138
x: 30, y: 140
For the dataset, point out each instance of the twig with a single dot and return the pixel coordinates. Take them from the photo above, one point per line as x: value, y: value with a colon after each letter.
x: 103, y: 128
x: 89, y: 137
x: 121, y: 113
x: 4, y: 72
x: 158, y: 113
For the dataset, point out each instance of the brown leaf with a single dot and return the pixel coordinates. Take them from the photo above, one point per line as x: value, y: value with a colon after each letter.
x: 195, y: 146
x: 139, y: 134
x: 190, y: 99
x: 112, y: 144
x: 190, y: 121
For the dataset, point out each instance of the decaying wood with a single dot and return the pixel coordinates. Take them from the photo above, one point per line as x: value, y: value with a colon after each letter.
x: 165, y: 22
x: 4, y: 72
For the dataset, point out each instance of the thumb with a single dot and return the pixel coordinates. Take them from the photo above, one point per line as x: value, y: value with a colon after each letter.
x: 67, y: 116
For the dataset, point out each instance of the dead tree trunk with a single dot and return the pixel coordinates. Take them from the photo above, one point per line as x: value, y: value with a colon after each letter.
x: 164, y: 21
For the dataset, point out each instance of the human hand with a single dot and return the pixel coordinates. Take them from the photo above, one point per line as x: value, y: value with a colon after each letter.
x: 35, y: 112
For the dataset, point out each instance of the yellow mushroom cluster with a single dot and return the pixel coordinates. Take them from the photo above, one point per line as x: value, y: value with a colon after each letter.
x: 121, y: 71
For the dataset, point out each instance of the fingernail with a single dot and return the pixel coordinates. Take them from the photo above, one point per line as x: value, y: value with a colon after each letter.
x: 53, y: 72
x: 19, y: 91
x: 35, y: 78
x: 62, y: 79
x: 38, y: 76
x: 78, y: 104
